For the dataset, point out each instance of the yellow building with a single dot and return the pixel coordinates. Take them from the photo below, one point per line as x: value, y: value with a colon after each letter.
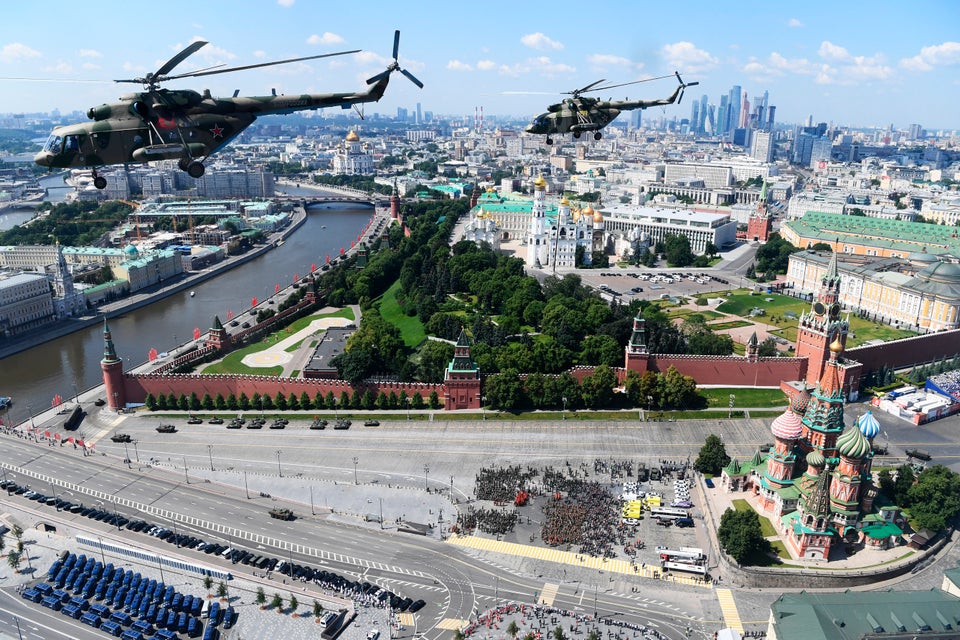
x: 863, y: 236
x: 920, y: 292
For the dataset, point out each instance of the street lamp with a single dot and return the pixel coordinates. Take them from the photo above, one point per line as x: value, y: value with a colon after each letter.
x: 406, y: 401
x: 210, y: 454
x: 426, y: 471
x: 356, y: 460
x: 312, y: 512
x: 483, y: 406
x: 279, y: 470
x: 563, y: 415
x: 136, y: 452
x: 185, y: 476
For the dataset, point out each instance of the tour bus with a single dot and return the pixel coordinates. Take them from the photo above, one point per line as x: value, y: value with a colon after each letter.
x: 668, y: 512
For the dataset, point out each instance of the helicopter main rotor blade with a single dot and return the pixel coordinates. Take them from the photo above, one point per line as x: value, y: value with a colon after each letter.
x: 188, y: 51
x: 196, y: 74
x: 577, y: 92
x: 625, y: 84
x: 396, y: 43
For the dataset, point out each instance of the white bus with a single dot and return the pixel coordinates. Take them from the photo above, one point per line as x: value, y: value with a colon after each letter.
x: 686, y: 555
x: 669, y: 512
x: 682, y: 566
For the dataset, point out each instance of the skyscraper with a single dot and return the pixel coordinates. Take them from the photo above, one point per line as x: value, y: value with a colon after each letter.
x: 419, y: 114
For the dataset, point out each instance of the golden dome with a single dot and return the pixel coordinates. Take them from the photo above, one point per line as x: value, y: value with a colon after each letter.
x: 597, y: 216
x: 587, y: 211
x: 836, y: 346
x: 353, y: 137
x: 491, y: 190
x: 540, y: 183
x: 576, y: 215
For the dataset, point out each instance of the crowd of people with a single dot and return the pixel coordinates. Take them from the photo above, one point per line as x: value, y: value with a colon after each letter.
x: 587, y: 517
x: 501, y: 484
x: 495, y: 521
x: 542, y: 622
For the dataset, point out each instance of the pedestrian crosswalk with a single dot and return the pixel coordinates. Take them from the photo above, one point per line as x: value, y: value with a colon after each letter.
x: 406, y: 619
x: 548, y: 593
x: 728, y: 607
x: 451, y: 624
x: 575, y: 559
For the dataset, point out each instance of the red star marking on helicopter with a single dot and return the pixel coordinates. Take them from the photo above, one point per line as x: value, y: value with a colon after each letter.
x: 217, y: 131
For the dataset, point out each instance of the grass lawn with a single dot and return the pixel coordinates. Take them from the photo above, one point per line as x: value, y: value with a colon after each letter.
x: 740, y: 304
x: 766, y: 528
x: 729, y: 324
x: 231, y: 363
x: 683, y: 312
x: 411, y: 329
x: 760, y: 398
x: 780, y: 549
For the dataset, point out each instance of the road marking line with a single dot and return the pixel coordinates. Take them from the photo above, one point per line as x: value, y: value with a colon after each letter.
x: 451, y: 624
x: 549, y: 593
x: 728, y: 607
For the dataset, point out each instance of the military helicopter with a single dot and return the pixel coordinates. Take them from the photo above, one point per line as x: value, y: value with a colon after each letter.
x: 183, y: 125
x: 580, y: 113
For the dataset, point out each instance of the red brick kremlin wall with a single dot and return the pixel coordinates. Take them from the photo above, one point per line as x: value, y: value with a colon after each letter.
x: 137, y: 386
x: 907, y: 352
x: 723, y: 370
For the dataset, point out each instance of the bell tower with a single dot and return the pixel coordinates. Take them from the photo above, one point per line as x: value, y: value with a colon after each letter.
x: 821, y: 325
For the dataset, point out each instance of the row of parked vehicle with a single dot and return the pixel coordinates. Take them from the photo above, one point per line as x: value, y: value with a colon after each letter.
x: 128, y: 605
x: 304, y: 573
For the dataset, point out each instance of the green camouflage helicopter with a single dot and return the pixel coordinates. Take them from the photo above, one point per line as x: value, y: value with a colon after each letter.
x: 183, y: 125
x: 580, y: 113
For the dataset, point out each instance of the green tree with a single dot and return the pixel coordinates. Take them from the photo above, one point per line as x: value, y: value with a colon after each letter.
x: 222, y: 590
x: 768, y: 348
x: 151, y: 402
x: 512, y: 629
x: 294, y: 603
x: 558, y: 633
x: 601, y: 349
x: 597, y: 388
x: 935, y: 498
x: 207, y: 582
x: 677, y: 250
x: 369, y: 400
x: 901, y: 486
x: 207, y: 402
x: 13, y: 559
x: 305, y: 403
x: 276, y: 602
x: 713, y: 456
x: 261, y: 598
x: 505, y: 390
x: 317, y: 609
x: 220, y: 402
x: 740, y: 535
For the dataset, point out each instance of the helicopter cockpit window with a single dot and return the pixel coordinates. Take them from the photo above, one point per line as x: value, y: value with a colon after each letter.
x: 53, y: 144
x: 71, y: 144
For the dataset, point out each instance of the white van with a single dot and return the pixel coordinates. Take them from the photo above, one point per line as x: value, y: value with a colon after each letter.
x: 327, y: 618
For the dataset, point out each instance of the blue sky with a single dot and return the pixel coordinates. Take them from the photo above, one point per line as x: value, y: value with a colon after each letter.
x: 851, y: 63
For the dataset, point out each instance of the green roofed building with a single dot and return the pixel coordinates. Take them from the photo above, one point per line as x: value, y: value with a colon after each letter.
x: 859, y: 235
x: 860, y: 615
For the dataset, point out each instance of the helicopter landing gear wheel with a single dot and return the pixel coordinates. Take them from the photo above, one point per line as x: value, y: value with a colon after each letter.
x: 183, y: 163
x: 597, y: 135
x: 576, y: 134
x: 195, y: 169
x: 98, y: 180
x: 549, y: 140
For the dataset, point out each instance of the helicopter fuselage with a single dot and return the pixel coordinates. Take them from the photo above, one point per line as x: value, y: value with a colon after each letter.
x: 174, y: 124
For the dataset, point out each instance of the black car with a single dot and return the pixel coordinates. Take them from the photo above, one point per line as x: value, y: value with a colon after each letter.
x: 416, y: 606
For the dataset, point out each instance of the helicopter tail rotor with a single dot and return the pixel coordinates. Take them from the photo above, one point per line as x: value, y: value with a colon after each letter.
x: 395, y: 66
x: 683, y: 86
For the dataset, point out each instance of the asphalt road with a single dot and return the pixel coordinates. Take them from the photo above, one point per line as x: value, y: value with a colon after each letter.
x: 332, y: 478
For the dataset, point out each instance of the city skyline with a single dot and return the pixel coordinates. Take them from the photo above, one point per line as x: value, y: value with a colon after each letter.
x: 833, y: 63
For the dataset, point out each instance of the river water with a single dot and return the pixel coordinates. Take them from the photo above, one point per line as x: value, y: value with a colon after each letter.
x: 72, y: 363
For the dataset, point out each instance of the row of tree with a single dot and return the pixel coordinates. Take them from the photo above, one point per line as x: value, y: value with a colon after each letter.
x: 367, y: 399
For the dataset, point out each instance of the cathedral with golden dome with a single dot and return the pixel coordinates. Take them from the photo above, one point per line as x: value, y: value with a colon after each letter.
x: 559, y: 242
x: 351, y: 159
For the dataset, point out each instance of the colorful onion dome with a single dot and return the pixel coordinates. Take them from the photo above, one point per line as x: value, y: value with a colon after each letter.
x: 787, y: 426
x: 801, y: 401
x: 868, y: 425
x: 852, y: 444
x: 815, y: 459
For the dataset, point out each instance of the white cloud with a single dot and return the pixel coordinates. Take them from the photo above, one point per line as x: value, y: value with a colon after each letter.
x: 89, y: 66
x: 61, y: 67
x: 486, y: 65
x: 685, y: 56
x: 540, y: 42
x: 830, y: 51
x: 945, y: 54
x: 259, y: 53
x: 90, y: 53
x: 794, y: 23
x: 15, y: 52
x: 326, y: 39
x: 604, y: 60
x: 540, y: 64
x: 286, y: 3
x: 456, y: 65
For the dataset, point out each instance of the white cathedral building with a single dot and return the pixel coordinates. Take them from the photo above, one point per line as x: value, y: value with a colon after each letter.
x: 555, y: 243
x: 351, y: 159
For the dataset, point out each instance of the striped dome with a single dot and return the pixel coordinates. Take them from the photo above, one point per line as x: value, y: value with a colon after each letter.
x: 815, y: 459
x: 868, y: 425
x: 801, y: 401
x: 787, y: 426
x: 852, y: 444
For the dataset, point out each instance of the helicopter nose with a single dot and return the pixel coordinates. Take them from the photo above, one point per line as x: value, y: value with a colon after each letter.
x: 42, y: 159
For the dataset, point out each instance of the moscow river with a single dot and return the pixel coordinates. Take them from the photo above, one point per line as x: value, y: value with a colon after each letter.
x: 72, y: 363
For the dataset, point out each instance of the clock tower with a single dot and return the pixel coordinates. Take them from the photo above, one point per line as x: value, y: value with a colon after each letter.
x: 820, y: 326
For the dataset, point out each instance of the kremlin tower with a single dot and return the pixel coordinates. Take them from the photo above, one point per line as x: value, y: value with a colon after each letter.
x: 112, y: 367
